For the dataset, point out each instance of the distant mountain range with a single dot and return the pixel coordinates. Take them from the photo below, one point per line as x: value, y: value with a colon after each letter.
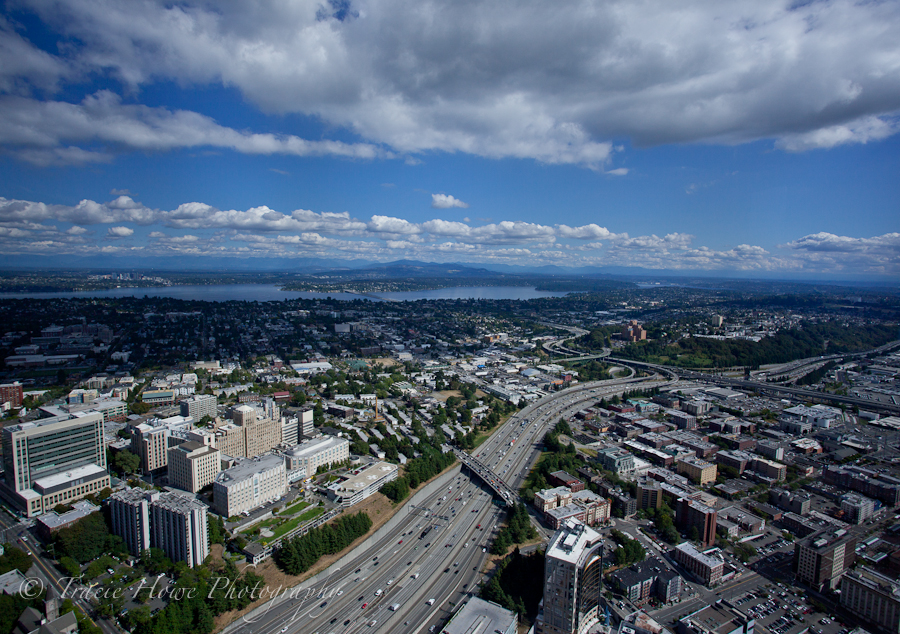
x: 398, y: 269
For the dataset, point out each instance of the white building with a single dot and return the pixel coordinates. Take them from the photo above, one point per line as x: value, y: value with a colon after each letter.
x: 309, y: 455
x: 249, y: 484
x: 572, y: 576
x: 363, y: 483
x: 199, y: 406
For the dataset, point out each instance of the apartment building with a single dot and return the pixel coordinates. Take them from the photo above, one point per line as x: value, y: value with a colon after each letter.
x: 129, y: 511
x: 193, y: 465
x: 616, y: 460
x: 249, y: 484
x: 179, y: 526
x: 691, y: 513
x: 649, y: 494
x: 700, y: 471
x: 705, y: 567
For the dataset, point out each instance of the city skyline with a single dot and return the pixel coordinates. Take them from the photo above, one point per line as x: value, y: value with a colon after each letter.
x: 752, y: 139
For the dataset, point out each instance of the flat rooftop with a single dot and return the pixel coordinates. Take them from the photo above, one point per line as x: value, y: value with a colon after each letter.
x: 478, y: 616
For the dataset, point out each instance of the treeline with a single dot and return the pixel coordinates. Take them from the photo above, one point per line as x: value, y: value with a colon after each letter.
x: 807, y: 340
x: 518, y: 584
x: 429, y: 464
x: 816, y: 375
x: 518, y: 530
x: 297, y: 555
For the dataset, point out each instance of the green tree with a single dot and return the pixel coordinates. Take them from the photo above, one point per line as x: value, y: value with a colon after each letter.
x: 126, y: 462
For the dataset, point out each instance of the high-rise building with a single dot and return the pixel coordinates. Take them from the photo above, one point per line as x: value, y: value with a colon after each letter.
x: 691, y: 513
x: 306, y: 422
x: 572, y: 580
x: 151, y: 440
x: 633, y: 332
x: 821, y: 558
x: 857, y: 508
x: 872, y: 597
x: 129, y: 510
x: 199, y: 406
x: 179, y: 526
x: 52, y: 461
x: 248, y: 435
x: 193, y: 465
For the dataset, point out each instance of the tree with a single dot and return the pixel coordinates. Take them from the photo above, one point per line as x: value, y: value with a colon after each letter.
x: 14, y: 558
x: 694, y: 534
x: 85, y: 540
x: 126, y: 462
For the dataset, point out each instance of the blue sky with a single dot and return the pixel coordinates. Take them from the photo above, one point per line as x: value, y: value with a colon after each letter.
x: 754, y: 138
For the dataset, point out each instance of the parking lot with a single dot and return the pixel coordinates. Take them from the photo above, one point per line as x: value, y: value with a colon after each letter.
x: 781, y: 610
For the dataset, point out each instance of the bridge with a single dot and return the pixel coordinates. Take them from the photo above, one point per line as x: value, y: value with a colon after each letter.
x: 484, y: 473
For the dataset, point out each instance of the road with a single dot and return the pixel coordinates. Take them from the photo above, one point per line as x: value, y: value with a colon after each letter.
x: 446, y: 573
x: 17, y: 534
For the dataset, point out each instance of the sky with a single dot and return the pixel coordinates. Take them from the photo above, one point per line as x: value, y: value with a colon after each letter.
x: 753, y: 138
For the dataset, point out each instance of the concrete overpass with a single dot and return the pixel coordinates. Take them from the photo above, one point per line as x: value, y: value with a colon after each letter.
x: 484, y: 473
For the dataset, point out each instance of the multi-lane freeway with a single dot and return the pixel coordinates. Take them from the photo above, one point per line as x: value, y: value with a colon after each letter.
x: 408, y: 582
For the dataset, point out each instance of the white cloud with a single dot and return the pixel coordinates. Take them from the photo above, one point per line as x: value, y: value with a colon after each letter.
x: 119, y: 232
x: 47, y: 132
x: 445, y: 201
x: 496, y: 79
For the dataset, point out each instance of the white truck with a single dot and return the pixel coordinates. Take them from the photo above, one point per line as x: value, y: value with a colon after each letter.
x: 395, y: 607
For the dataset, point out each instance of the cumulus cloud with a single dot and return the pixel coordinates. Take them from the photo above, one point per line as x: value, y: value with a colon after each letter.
x: 495, y: 79
x: 28, y: 227
x: 445, y: 201
x: 49, y: 132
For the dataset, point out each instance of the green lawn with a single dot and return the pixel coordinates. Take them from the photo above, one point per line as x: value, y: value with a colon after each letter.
x: 296, y: 508
x: 278, y: 531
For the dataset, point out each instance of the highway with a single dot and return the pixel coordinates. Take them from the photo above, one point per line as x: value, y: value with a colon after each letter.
x: 449, y: 559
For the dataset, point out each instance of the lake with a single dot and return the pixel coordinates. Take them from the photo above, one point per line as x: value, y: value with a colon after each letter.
x: 273, y: 293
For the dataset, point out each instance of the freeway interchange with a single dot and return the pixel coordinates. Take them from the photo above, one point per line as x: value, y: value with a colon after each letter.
x: 407, y: 582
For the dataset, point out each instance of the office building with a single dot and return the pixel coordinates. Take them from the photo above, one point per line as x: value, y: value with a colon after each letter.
x: 794, y: 502
x: 59, y: 459
x: 616, y: 460
x: 478, y: 615
x: 873, y: 597
x: 309, y: 455
x: 249, y: 484
x: 820, y: 559
x: 857, y: 508
x: 193, y: 465
x: 698, y: 470
x: 572, y: 580
x: 362, y: 483
x: 693, y: 514
x: 129, y: 511
x: 180, y: 528
x: 151, y: 440
x: 199, y: 406
x: 705, y: 567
